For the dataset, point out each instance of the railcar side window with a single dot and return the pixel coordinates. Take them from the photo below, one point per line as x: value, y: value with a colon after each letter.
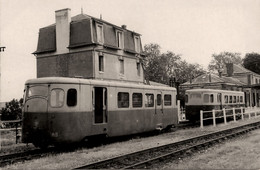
x: 57, y: 98
x: 137, y: 99
x: 230, y: 99
x: 123, y: 100
x: 234, y: 99
x: 241, y: 99
x: 159, y: 99
x: 211, y: 97
x: 206, y: 98
x: 226, y: 99
x: 167, y: 100
x: 219, y: 98
x: 186, y: 98
x: 72, y: 97
x: 149, y: 100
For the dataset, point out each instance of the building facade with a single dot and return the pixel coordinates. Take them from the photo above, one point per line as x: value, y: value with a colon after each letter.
x: 233, y: 77
x: 86, y: 47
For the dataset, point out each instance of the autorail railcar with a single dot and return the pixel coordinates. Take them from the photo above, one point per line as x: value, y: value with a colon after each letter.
x: 209, y: 99
x: 66, y: 110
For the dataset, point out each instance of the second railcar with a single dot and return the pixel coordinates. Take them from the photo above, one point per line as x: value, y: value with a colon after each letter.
x: 209, y: 99
x: 66, y: 110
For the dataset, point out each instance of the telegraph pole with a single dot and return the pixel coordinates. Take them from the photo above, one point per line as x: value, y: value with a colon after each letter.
x: 2, y: 49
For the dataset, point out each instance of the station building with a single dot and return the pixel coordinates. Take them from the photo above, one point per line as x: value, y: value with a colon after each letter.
x: 233, y: 77
x: 87, y: 47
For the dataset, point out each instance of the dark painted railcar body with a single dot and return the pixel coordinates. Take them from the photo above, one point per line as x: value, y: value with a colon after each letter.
x: 67, y: 110
x: 209, y: 99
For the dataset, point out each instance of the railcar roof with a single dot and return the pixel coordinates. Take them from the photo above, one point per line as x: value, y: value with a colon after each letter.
x: 107, y: 83
x: 212, y: 90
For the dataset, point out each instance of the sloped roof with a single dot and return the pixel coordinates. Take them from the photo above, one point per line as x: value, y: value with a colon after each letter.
x: 205, y: 78
x: 238, y: 69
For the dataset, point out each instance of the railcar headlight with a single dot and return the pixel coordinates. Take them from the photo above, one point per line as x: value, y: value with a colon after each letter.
x: 35, y: 124
x: 55, y: 134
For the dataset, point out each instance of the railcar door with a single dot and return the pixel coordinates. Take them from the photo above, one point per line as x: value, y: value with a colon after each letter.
x: 100, y: 105
x: 158, y: 110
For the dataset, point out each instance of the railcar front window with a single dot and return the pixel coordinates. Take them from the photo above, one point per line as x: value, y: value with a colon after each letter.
x: 36, y: 91
x: 57, y: 98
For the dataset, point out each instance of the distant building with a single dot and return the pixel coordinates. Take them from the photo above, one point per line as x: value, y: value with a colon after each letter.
x: 233, y: 77
x: 88, y: 47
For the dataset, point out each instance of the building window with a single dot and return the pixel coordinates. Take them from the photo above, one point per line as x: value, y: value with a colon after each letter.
x: 138, y: 67
x: 137, y: 44
x: 137, y: 99
x: 123, y: 100
x: 119, y: 38
x: 256, y: 81
x: 121, y: 66
x: 101, y: 63
x: 72, y: 97
x: 226, y: 99
x: 149, y: 100
x: 99, y: 33
x: 57, y: 98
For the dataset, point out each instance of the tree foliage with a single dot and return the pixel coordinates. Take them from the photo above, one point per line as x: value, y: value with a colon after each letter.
x: 161, y: 67
x: 219, y: 61
x: 12, y: 110
x: 252, y: 62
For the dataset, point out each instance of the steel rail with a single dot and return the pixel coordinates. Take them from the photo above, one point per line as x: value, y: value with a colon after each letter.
x: 123, y: 160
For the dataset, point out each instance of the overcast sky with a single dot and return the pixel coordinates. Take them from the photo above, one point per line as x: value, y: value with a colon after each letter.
x: 194, y: 28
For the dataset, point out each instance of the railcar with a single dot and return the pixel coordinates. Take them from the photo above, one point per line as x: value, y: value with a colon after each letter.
x: 209, y: 99
x: 67, y: 110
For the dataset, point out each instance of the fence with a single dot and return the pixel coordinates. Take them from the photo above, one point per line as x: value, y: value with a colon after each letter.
x: 233, y: 113
x: 16, y: 129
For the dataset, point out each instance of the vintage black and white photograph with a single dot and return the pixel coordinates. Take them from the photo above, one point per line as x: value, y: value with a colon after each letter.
x: 98, y: 84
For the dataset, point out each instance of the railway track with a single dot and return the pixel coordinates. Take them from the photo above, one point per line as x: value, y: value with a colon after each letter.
x: 149, y: 157
x: 22, y: 156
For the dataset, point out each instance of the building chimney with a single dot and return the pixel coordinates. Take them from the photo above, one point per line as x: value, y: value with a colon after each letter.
x: 63, y: 20
x: 230, y: 69
x: 209, y: 77
x: 123, y: 26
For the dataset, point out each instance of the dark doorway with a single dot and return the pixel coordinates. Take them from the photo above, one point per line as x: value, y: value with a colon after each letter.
x: 100, y: 104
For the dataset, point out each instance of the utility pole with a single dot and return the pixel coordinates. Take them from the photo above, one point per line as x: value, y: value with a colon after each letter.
x: 2, y: 49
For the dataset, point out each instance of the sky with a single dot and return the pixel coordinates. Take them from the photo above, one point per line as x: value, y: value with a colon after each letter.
x: 196, y: 29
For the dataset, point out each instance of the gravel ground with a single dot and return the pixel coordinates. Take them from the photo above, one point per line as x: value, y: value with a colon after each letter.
x: 241, y: 153
x: 84, y: 156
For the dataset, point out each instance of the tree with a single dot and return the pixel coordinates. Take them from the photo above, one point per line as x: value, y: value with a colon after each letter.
x: 252, y: 62
x: 161, y: 67
x: 219, y: 61
x: 12, y: 110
